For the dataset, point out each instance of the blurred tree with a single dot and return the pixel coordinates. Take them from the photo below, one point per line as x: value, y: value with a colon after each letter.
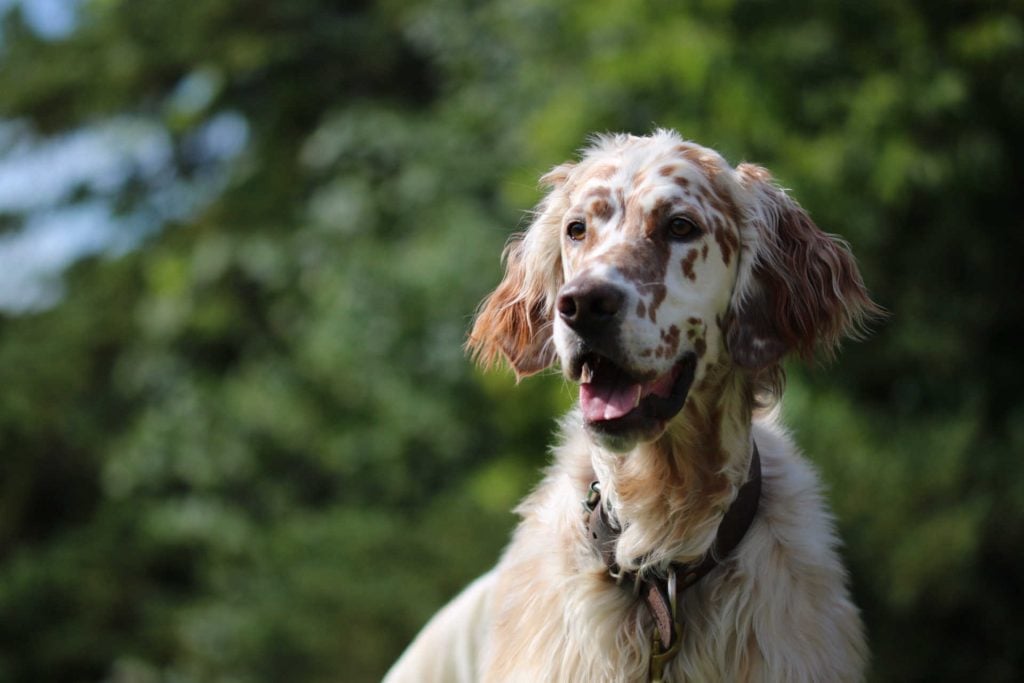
x: 245, y: 445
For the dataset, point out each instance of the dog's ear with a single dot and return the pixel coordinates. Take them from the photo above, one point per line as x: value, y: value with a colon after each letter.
x: 801, y: 291
x: 514, y: 322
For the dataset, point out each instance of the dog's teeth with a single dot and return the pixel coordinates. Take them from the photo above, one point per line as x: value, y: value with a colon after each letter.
x: 586, y: 374
x: 636, y: 397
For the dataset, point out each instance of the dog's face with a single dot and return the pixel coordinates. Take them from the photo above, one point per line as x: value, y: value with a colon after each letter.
x: 650, y: 249
x: 652, y: 260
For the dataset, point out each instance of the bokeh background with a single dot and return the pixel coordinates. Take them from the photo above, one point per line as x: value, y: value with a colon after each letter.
x: 241, y: 243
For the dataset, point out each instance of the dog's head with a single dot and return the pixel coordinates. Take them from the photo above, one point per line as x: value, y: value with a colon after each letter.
x: 652, y: 260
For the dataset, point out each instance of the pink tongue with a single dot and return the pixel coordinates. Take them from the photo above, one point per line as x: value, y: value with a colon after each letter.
x: 608, y: 402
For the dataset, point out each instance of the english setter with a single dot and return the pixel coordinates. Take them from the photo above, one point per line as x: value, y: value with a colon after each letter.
x: 669, y: 286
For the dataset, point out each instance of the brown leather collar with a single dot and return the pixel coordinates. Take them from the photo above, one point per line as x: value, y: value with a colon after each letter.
x: 655, y: 589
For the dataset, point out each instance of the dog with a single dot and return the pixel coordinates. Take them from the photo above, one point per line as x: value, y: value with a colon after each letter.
x: 669, y: 286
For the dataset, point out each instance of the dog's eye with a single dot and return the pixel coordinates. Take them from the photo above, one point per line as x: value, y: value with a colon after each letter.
x: 681, y: 228
x: 576, y: 230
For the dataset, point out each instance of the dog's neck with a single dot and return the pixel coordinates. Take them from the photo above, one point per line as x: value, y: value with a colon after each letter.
x: 669, y: 495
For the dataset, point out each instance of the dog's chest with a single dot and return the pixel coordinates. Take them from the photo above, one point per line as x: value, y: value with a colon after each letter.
x: 562, y: 617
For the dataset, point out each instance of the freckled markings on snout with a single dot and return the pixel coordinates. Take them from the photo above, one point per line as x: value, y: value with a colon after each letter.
x: 642, y: 262
x: 687, y: 264
x: 658, y: 293
x: 641, y: 259
x: 671, y: 339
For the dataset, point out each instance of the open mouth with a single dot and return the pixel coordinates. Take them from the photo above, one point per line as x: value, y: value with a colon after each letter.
x: 614, y: 401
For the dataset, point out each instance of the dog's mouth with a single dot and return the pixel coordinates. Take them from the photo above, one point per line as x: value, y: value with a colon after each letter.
x: 615, y: 401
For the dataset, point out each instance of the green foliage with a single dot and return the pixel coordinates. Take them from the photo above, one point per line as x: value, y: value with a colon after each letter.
x: 251, y: 449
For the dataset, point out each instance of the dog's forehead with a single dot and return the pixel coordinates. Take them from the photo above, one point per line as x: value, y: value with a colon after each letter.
x: 628, y: 189
x: 646, y: 174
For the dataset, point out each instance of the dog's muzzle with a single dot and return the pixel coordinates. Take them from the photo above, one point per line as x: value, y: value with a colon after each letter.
x: 616, y: 399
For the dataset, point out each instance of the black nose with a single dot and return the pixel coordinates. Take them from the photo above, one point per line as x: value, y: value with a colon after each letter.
x: 589, y: 305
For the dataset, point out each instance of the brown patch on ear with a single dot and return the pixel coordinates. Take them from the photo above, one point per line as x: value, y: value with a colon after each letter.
x: 514, y: 321
x: 807, y: 293
x: 751, y: 336
x: 512, y: 324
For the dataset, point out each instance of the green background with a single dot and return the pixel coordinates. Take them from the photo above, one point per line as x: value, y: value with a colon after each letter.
x: 242, y: 443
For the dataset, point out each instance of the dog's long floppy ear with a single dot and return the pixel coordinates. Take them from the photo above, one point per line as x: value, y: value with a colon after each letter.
x: 514, y: 321
x: 801, y: 290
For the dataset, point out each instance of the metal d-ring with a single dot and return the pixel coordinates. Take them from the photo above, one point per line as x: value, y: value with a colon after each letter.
x: 593, y: 496
x: 672, y: 593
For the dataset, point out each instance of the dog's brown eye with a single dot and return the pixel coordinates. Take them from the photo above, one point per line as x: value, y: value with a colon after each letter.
x: 576, y: 230
x: 681, y: 228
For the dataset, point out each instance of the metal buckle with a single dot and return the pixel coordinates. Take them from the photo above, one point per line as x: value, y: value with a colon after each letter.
x: 659, y: 657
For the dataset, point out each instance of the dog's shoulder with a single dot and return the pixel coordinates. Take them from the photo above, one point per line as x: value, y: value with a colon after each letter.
x: 792, y: 504
x: 791, y: 575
